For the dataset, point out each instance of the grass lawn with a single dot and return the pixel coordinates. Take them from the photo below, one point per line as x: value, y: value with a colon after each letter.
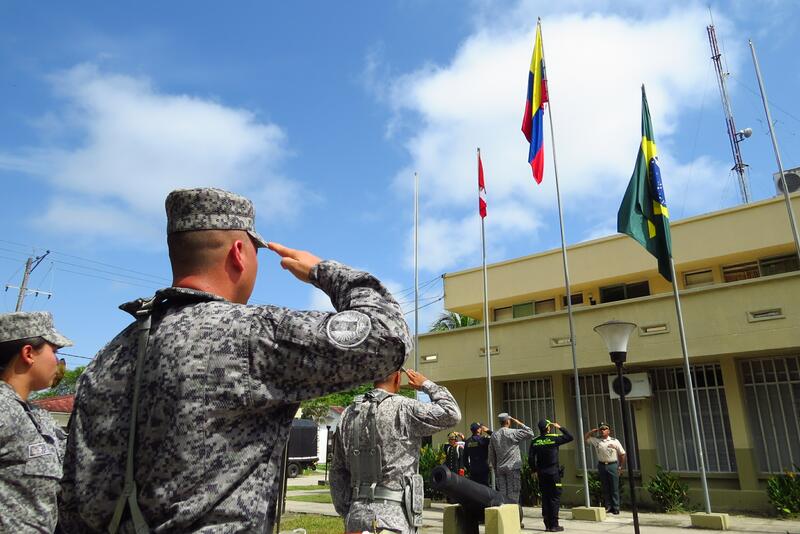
x: 314, y: 524
x: 307, y: 488
x: 320, y: 497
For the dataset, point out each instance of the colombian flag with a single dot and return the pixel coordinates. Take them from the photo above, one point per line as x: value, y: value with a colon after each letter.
x: 643, y: 214
x: 533, y: 121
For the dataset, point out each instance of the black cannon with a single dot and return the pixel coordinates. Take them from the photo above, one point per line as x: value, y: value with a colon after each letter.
x: 474, y: 498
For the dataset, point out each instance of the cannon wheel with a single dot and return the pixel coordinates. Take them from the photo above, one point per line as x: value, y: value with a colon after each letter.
x: 293, y: 470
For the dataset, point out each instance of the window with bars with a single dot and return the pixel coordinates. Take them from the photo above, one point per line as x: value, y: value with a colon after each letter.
x: 529, y: 401
x: 674, y: 437
x: 772, y: 391
x: 597, y: 406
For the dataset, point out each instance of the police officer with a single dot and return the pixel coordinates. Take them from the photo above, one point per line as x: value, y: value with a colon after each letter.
x: 476, y: 453
x: 374, y: 480
x: 31, y: 442
x: 543, y: 459
x: 504, y: 456
x: 180, y: 421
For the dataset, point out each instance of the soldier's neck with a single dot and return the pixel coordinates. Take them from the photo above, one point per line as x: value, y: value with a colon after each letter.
x: 208, y: 284
x: 19, y: 384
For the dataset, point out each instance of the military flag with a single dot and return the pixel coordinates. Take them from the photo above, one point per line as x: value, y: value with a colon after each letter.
x: 535, y: 98
x: 643, y: 214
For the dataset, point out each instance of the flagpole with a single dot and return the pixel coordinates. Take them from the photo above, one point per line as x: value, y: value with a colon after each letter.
x: 489, y: 396
x: 690, y: 390
x: 763, y: 90
x: 416, y: 271
x: 572, y: 341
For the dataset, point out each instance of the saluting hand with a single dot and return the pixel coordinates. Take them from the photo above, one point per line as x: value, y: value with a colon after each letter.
x: 297, y: 262
x: 415, y: 379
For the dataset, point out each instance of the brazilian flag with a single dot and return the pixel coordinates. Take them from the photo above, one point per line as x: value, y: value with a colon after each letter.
x: 643, y: 214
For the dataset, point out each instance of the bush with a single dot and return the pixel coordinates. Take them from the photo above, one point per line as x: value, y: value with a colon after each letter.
x: 784, y: 493
x: 529, y: 494
x: 430, y: 457
x: 668, y: 492
x: 596, y: 488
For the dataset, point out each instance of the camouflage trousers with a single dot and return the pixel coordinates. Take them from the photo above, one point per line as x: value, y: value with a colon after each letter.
x: 509, y: 485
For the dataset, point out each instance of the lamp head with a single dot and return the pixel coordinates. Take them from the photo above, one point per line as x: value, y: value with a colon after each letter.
x: 616, y: 335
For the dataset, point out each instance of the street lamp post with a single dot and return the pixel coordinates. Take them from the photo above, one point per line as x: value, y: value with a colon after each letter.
x: 616, y: 334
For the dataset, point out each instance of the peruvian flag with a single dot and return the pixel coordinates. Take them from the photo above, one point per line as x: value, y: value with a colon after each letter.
x: 481, y: 188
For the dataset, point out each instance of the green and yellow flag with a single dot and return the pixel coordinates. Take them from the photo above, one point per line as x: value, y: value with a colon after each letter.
x: 643, y: 214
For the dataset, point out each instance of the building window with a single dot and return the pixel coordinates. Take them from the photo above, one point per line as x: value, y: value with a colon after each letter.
x: 674, y: 437
x: 577, y: 298
x: 529, y: 401
x: 523, y: 310
x: 597, y: 407
x: 772, y: 391
x: 545, y: 306
x: 778, y: 265
x: 698, y: 278
x: 503, y: 314
x: 741, y: 271
x: 624, y: 291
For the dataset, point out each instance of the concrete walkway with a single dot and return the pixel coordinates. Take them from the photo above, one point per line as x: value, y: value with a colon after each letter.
x: 621, y: 524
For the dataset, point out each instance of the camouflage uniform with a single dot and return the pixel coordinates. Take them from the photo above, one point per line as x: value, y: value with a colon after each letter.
x: 505, y: 459
x: 31, y: 442
x: 401, y: 424
x: 220, y: 385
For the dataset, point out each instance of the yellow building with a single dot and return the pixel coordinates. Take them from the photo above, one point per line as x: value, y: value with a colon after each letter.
x: 740, y: 292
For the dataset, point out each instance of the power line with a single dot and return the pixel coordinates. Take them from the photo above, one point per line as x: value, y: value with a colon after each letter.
x: 87, y: 275
x: 426, y: 305
x: 75, y: 355
x: 88, y: 260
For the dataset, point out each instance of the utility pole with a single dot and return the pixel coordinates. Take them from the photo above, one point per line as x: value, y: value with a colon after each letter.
x: 735, y: 136
x: 30, y: 265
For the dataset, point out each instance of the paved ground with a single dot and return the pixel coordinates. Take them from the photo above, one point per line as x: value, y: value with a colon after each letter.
x: 621, y: 524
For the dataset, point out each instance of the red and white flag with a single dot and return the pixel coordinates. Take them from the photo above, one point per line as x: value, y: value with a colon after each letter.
x: 481, y: 188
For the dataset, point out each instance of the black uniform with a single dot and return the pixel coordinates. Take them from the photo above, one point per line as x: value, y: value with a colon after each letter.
x: 476, y: 458
x: 453, y: 457
x: 543, y: 459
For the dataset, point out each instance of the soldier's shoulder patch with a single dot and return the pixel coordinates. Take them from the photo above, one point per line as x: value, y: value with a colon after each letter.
x: 38, y: 449
x: 348, y: 328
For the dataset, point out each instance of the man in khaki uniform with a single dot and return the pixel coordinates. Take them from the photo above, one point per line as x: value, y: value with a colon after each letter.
x: 610, y: 463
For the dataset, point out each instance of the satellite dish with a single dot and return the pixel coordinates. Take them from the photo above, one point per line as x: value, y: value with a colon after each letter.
x: 792, y: 177
x: 747, y: 132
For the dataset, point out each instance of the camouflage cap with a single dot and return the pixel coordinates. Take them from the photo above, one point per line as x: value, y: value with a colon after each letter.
x: 23, y: 325
x: 208, y: 208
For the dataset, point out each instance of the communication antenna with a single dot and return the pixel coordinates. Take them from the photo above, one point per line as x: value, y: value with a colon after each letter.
x: 735, y: 136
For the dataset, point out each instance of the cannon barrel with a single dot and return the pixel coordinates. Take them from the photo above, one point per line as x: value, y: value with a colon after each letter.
x: 471, y: 495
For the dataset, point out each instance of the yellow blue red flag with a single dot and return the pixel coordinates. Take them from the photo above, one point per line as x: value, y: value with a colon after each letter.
x: 533, y: 121
x: 643, y: 214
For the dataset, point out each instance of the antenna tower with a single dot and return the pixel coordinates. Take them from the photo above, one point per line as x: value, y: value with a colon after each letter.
x: 734, y: 136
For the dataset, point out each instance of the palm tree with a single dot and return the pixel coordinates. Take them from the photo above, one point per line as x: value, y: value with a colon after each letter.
x: 451, y: 320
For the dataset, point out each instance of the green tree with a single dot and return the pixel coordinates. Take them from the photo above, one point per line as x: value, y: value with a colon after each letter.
x: 451, y: 320
x: 65, y: 387
x: 317, y: 409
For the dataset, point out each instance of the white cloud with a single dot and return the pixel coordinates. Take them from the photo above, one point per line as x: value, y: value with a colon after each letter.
x: 318, y: 300
x: 596, y: 64
x: 135, y: 144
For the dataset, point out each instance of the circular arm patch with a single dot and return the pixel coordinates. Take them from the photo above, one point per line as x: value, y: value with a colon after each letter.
x: 348, y: 328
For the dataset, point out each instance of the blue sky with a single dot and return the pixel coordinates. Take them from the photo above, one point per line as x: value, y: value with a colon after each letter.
x: 321, y: 112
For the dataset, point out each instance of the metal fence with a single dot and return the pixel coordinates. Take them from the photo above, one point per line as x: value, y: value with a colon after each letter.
x: 674, y: 438
x: 529, y: 401
x: 772, y: 391
x: 597, y: 406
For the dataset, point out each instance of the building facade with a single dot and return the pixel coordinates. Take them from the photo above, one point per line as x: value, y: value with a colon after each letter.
x: 739, y: 278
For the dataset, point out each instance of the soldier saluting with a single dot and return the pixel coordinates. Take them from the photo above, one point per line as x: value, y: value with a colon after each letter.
x: 180, y: 421
x: 374, y: 480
